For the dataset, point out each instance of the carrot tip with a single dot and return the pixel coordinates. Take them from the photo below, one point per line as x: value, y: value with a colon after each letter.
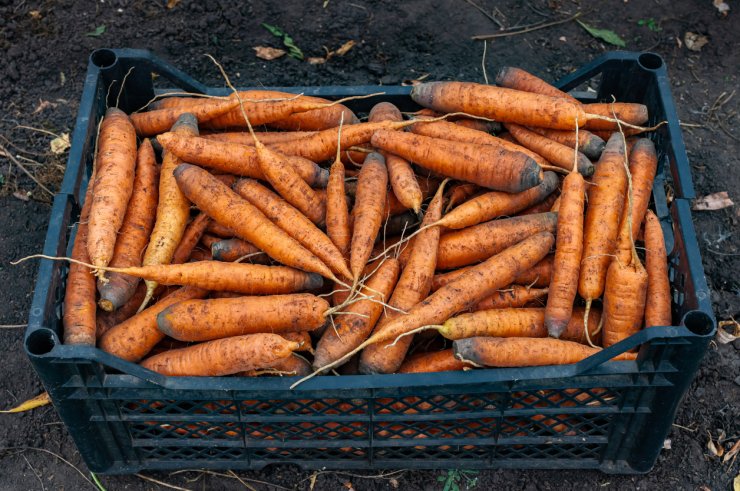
x: 106, y: 305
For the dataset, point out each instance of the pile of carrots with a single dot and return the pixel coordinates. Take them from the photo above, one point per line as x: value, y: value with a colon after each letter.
x: 319, y: 242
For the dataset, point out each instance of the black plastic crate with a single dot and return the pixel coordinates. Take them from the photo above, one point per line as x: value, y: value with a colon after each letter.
x: 595, y: 414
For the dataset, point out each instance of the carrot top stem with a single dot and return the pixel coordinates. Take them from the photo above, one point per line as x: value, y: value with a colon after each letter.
x: 416, y: 331
x: 635, y: 259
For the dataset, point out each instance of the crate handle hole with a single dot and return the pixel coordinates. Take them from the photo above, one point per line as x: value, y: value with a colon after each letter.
x: 103, y: 58
x: 698, y: 322
x: 650, y: 61
x: 41, y: 342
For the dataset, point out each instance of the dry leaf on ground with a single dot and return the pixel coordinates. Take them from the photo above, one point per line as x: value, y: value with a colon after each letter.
x: 59, y: 144
x: 268, y: 53
x: 40, y: 400
x: 695, y: 42
x: 715, y: 201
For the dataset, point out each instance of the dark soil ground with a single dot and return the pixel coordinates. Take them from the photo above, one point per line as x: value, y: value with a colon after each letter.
x: 45, y: 49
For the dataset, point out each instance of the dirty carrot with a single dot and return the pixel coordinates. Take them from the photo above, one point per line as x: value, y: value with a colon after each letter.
x: 496, y: 204
x: 516, y: 78
x: 400, y: 174
x: 266, y: 137
x: 203, y: 320
x: 436, y: 361
x: 222, y: 356
x: 337, y: 212
x: 631, y: 113
x: 658, y: 304
x: 588, y: 143
x: 114, y: 184
x: 485, y: 165
x: 624, y: 300
x: 190, y: 238
x: 228, y: 208
x: 538, y: 276
x: 151, y: 123
x: 230, y: 250
x: 511, y: 297
x: 133, y: 338
x: 372, y: 187
x: 106, y: 320
x: 556, y: 153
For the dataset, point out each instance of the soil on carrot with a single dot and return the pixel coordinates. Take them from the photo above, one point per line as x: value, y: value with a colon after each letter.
x: 46, y: 45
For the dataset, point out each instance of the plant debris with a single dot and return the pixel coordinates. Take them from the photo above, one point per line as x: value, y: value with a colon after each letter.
x: 610, y: 37
x: 695, y: 42
x: 60, y: 144
x: 711, y: 202
x: 267, y: 53
x: 40, y: 400
x: 293, y: 50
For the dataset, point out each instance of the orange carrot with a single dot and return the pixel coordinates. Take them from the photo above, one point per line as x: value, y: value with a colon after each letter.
x: 635, y: 114
x: 229, y: 250
x: 413, y: 287
x: 301, y: 337
x: 516, y: 78
x: 372, y: 184
x: 496, y: 204
x: 203, y: 320
x: 228, y: 208
x: 512, y: 172
x: 353, y: 327
x: 568, y: 254
x: 400, y: 174
x: 658, y: 304
x: 588, y: 143
x: 266, y: 137
x: 606, y: 199
x: 173, y: 208
x: 150, y: 123
x: 436, y: 361
x: 538, y: 276
x: 234, y: 158
x: 512, y: 297
x: 500, y: 104
x: 135, y: 337
x: 477, y: 124
x: 215, y: 228
x: 337, y: 213
x: 548, y: 204
x: 294, y: 224
x: 524, y: 352
x: 114, y: 184
x: 460, y: 193
x: 222, y: 356
x: 557, y: 153
x: 190, y: 238
x: 624, y: 300
x: 79, y: 295
x: 480, y: 242
x: 285, y: 367
x: 106, y: 320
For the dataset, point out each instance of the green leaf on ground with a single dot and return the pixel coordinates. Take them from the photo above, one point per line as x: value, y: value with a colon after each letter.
x: 97, y: 32
x: 610, y: 37
x: 274, y: 30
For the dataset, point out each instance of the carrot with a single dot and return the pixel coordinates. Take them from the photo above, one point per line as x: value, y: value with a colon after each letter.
x: 537, y: 276
x: 500, y: 104
x: 515, y: 322
x: 588, y: 143
x: 412, y: 287
x: 480, y: 125
x: 635, y: 114
x: 289, y: 184
x: 234, y: 158
x: 516, y: 78
x: 225, y: 206
x: 249, y: 279
x: 114, y: 183
x: 484, y: 165
x: 512, y: 297
x: 643, y: 165
x: 106, y: 320
x: 200, y: 255
x: 222, y: 356
x: 459, y: 295
x: 658, y: 303
x: 203, y: 320
x: 337, y: 213
x: 480, y: 242
x: 294, y: 224
x: 230, y: 250
x: 79, y: 318
x: 453, y: 132
x: 400, y: 174
x: 357, y: 323
x: 568, y: 254
x: 436, y: 361
x: 266, y: 137
x: 496, y: 204
x: 575, y: 331
x: 556, y: 205
x: 557, y: 153
x: 548, y: 204
x: 215, y: 228
x: 460, y: 193
x: 190, y: 238
x: 160, y: 120
x: 133, y: 338
x: 301, y: 337
x: 292, y: 365
x: 624, y: 300
x: 606, y: 199
x: 372, y: 184
x: 317, y: 119
x: 134, y: 233
x: 173, y: 209
x: 524, y: 352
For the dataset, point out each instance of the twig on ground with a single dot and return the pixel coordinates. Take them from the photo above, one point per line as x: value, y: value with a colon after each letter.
x: 161, y: 483
x: 542, y: 25
x: 4, y: 153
